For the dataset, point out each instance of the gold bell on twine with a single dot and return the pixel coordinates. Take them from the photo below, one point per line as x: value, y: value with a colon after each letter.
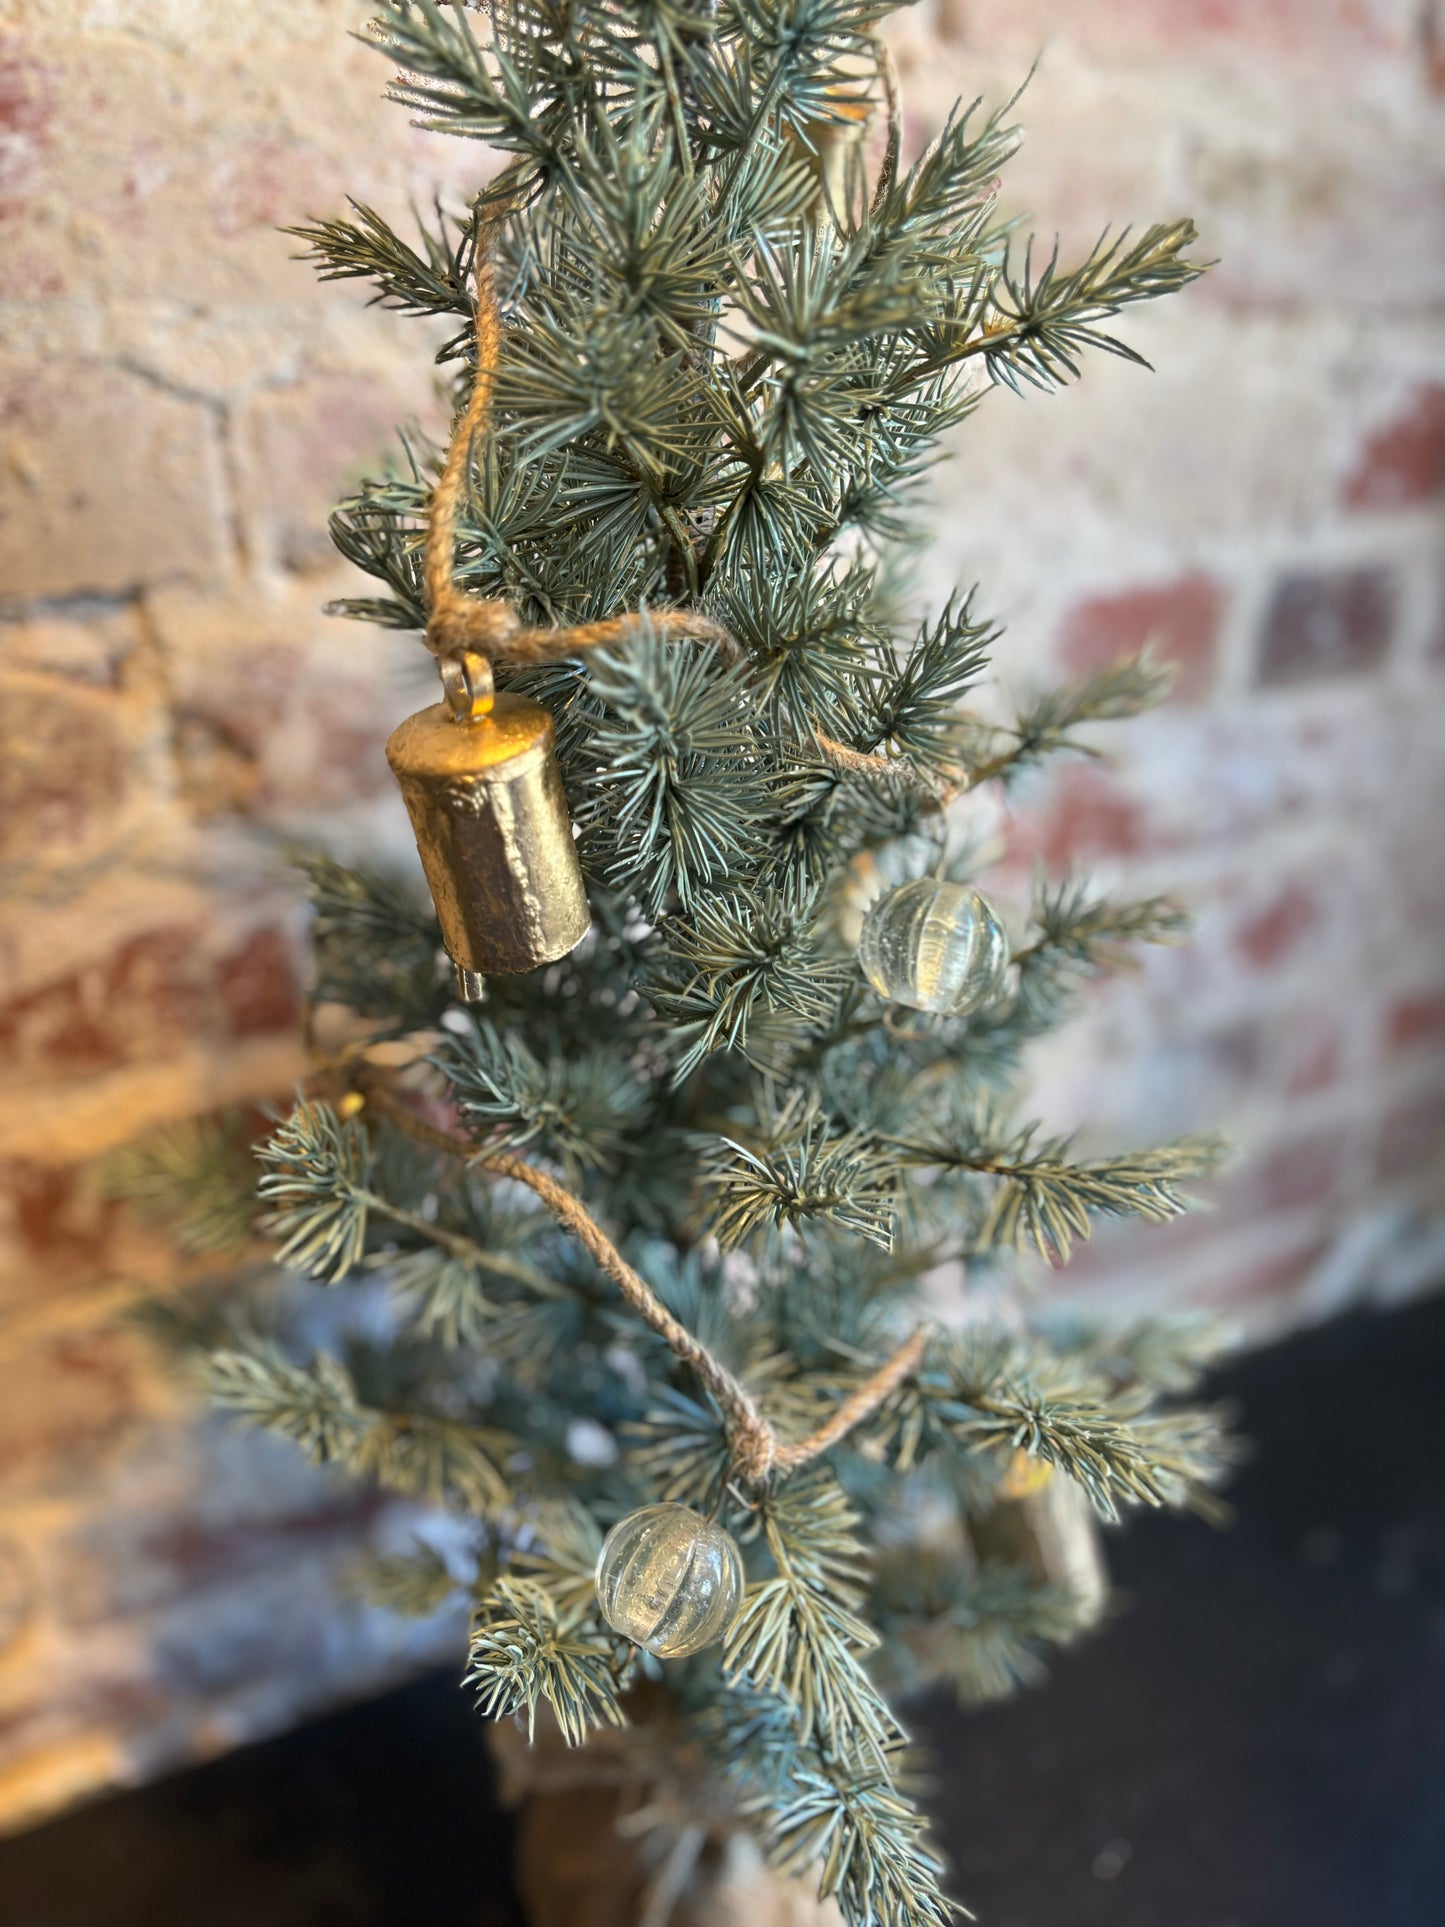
x: 479, y: 777
x: 479, y: 772
x: 1043, y: 1522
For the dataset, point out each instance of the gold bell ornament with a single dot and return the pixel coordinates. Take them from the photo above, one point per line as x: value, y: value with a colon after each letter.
x: 1043, y: 1522
x: 479, y: 771
x: 479, y: 777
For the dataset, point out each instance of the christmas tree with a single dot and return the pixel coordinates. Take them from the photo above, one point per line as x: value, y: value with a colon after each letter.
x: 657, y: 1217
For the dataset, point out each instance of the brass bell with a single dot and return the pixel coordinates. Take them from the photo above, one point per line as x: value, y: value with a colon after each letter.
x: 479, y: 777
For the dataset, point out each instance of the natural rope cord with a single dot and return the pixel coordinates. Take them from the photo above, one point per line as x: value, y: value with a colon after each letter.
x: 936, y: 793
x: 460, y: 626
x: 459, y: 623
x: 757, y: 1450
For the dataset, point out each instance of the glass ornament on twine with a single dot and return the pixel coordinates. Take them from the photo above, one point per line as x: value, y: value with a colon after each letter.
x: 669, y: 1580
x: 934, y: 946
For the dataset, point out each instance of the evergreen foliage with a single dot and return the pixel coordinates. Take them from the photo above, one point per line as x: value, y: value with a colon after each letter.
x: 728, y: 355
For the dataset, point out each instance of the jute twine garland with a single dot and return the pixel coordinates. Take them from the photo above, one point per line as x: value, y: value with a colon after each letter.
x: 757, y: 1449
x: 461, y: 625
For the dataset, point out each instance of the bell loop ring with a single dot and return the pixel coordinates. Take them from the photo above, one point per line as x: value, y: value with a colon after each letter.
x: 467, y: 684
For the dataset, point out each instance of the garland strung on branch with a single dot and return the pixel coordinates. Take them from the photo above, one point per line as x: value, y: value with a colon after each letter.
x: 757, y: 1450
x: 480, y: 781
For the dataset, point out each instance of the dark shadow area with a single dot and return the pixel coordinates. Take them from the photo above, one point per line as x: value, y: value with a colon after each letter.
x: 379, y: 1816
x: 1258, y: 1740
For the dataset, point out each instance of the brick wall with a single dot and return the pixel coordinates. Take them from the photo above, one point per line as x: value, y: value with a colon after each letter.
x: 179, y: 407
x: 1268, y: 507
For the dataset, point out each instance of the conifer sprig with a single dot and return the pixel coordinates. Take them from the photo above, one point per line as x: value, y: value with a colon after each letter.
x: 1046, y: 726
x: 1044, y: 1196
x: 746, y: 958
x: 317, y: 1406
x: 799, y: 1633
x: 521, y: 1657
x: 414, y: 1584
x: 802, y: 1171
x: 993, y: 1391
x: 432, y: 281
x: 1044, y: 323
x: 196, y: 1178
x: 983, y: 1630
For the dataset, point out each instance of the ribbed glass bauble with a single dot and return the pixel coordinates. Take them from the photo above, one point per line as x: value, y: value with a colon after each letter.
x: 669, y: 1579
x: 934, y: 946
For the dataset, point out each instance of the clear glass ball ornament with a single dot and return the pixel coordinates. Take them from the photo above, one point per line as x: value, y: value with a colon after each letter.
x: 669, y: 1579
x: 934, y: 946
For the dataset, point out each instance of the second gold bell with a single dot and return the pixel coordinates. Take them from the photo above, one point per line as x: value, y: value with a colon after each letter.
x: 479, y: 777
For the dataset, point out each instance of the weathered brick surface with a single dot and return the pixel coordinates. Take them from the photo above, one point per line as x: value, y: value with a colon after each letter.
x: 1432, y: 43
x: 1417, y: 1022
x: 154, y: 996
x: 108, y: 483
x: 179, y: 408
x: 1403, y: 460
x: 1327, y: 625
x: 1179, y: 620
x: 304, y: 445
x: 298, y: 698
x: 69, y: 769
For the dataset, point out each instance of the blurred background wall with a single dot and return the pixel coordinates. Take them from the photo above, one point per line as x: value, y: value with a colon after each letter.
x: 180, y: 406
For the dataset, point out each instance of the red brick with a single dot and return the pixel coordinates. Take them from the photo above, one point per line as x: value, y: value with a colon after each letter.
x: 110, y: 483
x: 219, y: 774
x: 27, y: 105
x: 74, y: 1396
x: 1432, y: 44
x: 1310, y: 1051
x: 1333, y: 624
x: 1181, y: 618
x: 1126, y: 30
x: 309, y: 444
x: 269, y: 723
x: 150, y: 998
x: 1417, y: 1021
x: 1404, y: 461
x: 1238, y: 1050
x: 197, y: 1552
x: 64, y: 766
x: 1255, y: 1280
x: 142, y: 998
x: 1215, y: 1250
x: 151, y: 986
x: 1307, y: 1170
x: 1087, y: 814
x: 1269, y: 936
x: 258, y: 986
x: 1412, y: 1137
x: 1286, y: 24
x: 248, y: 699
x: 54, y: 1213
x: 88, y: 642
